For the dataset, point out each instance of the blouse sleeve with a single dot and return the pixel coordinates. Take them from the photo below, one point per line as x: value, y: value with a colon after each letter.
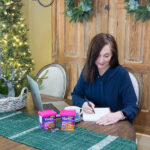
x: 129, y: 98
x: 78, y: 92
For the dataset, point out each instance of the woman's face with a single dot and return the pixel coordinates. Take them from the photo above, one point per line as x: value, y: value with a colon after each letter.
x: 103, y: 60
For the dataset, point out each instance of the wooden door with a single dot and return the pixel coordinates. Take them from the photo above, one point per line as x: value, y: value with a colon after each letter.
x: 71, y: 40
x: 134, y: 51
x: 70, y: 43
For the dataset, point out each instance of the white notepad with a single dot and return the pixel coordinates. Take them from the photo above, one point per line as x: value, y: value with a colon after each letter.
x: 99, y: 112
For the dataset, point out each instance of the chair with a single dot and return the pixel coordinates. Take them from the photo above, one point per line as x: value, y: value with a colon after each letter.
x: 55, y: 81
x: 137, y: 85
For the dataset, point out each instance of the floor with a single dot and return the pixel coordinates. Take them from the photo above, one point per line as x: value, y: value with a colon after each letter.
x: 143, y: 141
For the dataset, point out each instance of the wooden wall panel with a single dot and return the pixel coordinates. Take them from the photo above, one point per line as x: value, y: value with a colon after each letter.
x: 101, y: 16
x: 60, y: 30
x: 80, y: 67
x: 96, y: 24
x: 146, y: 42
x: 90, y: 30
x: 133, y: 41
x: 117, y: 21
x: 146, y: 89
x: 81, y: 46
x: 71, y: 34
x: 71, y: 72
x: 54, y: 32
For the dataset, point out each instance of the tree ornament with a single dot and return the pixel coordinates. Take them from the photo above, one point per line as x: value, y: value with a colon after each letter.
x: 141, y: 12
x: 9, y: 83
x: 78, y: 10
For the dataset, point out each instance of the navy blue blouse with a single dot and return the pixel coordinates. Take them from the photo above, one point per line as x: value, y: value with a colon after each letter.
x: 113, y: 89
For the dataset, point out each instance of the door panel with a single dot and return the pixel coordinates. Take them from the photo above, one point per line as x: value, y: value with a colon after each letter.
x: 72, y: 39
x: 133, y: 42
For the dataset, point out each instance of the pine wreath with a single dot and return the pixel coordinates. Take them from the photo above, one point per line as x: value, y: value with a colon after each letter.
x: 78, y: 10
x: 141, y: 12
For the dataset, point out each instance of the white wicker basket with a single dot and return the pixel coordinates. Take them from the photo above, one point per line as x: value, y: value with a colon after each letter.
x: 14, y: 103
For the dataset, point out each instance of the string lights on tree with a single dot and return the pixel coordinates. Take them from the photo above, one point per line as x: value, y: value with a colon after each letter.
x: 14, y: 48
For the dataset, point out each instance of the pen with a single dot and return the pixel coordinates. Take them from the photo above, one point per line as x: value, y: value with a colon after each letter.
x: 91, y: 107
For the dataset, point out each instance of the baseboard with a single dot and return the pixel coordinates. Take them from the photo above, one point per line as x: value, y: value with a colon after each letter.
x: 143, y: 141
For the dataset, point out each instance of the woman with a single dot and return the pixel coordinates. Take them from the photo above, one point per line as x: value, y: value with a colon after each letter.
x: 104, y: 83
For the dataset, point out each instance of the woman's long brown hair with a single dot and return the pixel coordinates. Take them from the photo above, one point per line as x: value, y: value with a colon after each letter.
x: 95, y: 46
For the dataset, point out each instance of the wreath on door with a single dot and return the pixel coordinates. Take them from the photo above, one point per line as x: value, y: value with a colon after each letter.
x: 141, y: 12
x: 78, y: 10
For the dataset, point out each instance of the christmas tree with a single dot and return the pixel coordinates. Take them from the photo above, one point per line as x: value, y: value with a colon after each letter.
x: 14, y: 49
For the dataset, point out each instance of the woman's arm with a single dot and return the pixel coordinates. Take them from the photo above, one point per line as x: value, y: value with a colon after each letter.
x: 129, y: 99
x: 110, y: 118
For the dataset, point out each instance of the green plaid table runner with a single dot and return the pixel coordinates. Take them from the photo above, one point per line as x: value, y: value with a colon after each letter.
x: 24, y: 128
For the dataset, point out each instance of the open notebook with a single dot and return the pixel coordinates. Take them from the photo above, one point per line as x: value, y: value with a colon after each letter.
x: 99, y: 112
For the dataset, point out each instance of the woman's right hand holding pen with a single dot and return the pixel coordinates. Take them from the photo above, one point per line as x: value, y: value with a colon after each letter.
x: 88, y: 107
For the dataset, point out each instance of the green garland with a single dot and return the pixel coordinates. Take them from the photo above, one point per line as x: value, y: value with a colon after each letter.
x: 141, y: 12
x: 78, y: 11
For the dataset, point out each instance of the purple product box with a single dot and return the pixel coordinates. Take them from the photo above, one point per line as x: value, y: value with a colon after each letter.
x: 67, y: 120
x: 47, y: 122
x: 47, y: 119
x: 67, y: 123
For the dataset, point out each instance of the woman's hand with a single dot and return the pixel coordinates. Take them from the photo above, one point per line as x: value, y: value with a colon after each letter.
x: 86, y: 108
x: 110, y: 118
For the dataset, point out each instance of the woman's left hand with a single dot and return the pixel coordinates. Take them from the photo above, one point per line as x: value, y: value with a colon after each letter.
x: 110, y: 118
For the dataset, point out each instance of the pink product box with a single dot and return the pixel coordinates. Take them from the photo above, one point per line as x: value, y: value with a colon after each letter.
x: 67, y: 120
x: 47, y: 119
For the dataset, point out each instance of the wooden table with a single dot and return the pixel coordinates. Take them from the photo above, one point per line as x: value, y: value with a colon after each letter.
x: 122, y: 129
